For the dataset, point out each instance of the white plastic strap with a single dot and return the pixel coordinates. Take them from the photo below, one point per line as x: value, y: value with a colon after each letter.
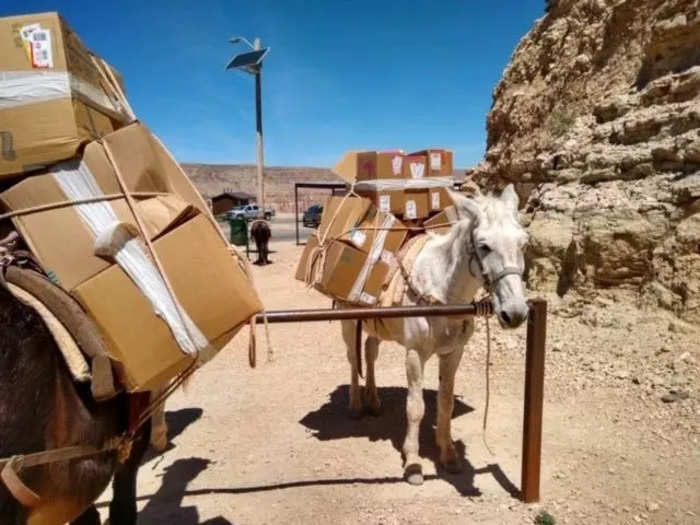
x: 19, y: 88
x: 77, y: 182
x: 402, y: 184
x: 375, y: 254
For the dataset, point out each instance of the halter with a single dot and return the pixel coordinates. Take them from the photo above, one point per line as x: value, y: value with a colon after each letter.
x: 489, y: 279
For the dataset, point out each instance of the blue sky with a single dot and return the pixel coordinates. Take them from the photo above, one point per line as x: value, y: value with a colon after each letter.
x: 340, y: 74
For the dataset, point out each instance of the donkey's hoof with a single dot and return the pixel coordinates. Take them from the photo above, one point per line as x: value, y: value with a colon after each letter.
x: 413, y: 474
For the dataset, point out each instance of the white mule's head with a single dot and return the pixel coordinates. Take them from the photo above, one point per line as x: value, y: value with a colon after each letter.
x: 496, y: 247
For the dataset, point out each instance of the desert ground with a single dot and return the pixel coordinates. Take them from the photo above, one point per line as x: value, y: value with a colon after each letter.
x: 274, y: 444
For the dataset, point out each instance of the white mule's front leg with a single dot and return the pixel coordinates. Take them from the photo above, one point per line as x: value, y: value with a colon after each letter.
x: 349, y: 334
x: 415, y: 408
x: 374, y: 404
x: 443, y: 435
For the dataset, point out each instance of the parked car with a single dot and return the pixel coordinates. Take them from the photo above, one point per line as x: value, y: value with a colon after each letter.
x: 312, y: 216
x: 249, y: 212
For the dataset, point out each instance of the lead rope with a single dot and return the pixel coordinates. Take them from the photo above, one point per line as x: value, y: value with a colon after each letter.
x: 488, y: 385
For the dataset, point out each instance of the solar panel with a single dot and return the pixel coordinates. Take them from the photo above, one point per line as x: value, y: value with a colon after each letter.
x: 249, y: 60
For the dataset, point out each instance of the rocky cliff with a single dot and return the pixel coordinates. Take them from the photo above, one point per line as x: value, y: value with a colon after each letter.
x: 597, y: 121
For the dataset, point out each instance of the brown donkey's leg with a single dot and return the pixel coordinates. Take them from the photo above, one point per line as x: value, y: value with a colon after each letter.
x: 122, y: 509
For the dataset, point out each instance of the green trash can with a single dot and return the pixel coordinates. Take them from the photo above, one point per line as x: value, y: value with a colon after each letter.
x: 239, y: 231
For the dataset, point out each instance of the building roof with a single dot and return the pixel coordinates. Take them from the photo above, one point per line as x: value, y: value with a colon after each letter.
x: 236, y: 195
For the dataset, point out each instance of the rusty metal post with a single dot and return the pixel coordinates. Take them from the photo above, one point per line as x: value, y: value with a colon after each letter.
x: 296, y: 211
x: 534, y: 395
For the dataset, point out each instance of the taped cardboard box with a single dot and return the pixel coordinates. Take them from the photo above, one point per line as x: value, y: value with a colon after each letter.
x: 343, y: 266
x: 416, y: 205
x: 439, y: 198
x: 59, y: 238
x: 440, y: 162
x: 363, y: 236
x: 415, y: 166
x: 208, y: 283
x: 55, y: 95
x: 386, y: 200
x: 358, y: 166
x: 341, y: 215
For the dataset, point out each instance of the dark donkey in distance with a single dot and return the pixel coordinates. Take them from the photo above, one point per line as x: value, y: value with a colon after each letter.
x: 41, y: 408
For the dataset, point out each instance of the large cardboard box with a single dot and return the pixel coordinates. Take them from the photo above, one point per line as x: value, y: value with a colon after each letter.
x: 56, y: 94
x: 389, y: 200
x: 341, y: 215
x: 59, y: 238
x: 415, y: 166
x: 416, y: 205
x: 439, y: 198
x: 208, y: 283
x: 363, y: 236
x: 357, y: 166
x: 440, y: 162
x: 343, y: 264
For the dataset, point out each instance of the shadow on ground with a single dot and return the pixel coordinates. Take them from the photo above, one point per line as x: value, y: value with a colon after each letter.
x: 331, y: 421
x: 166, y: 505
x: 177, y: 421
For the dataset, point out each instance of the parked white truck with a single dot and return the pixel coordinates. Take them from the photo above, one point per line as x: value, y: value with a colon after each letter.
x: 249, y: 212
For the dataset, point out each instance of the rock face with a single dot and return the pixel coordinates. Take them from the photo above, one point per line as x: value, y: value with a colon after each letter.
x: 597, y: 121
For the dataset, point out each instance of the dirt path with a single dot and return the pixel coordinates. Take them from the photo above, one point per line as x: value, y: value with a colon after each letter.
x: 274, y: 445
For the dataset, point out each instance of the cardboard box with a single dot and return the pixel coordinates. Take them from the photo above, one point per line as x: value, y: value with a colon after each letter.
x: 439, y: 199
x: 208, y: 283
x: 415, y: 166
x: 59, y: 238
x: 440, y: 162
x: 340, y: 215
x: 387, y: 201
x: 59, y: 96
x: 362, y: 237
x: 343, y: 265
x: 370, y: 165
x: 416, y: 205
x: 441, y: 223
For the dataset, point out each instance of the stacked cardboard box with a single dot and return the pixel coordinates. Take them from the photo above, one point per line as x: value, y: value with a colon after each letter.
x: 358, y: 243
x: 411, y: 186
x: 150, y: 321
x: 350, y: 256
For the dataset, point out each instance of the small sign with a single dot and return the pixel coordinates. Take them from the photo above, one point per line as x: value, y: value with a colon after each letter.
x: 435, y: 200
x: 411, y: 210
x: 385, y: 203
x: 396, y: 164
x: 436, y: 161
x: 417, y: 170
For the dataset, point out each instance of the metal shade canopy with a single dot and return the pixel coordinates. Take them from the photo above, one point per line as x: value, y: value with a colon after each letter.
x: 249, y: 61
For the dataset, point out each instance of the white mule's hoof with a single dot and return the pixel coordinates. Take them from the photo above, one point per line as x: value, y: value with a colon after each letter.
x: 414, y: 474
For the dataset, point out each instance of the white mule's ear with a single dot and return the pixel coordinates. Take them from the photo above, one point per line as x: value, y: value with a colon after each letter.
x: 510, y: 198
x: 466, y: 207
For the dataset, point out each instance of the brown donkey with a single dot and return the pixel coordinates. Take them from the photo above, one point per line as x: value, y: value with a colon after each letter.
x: 41, y: 408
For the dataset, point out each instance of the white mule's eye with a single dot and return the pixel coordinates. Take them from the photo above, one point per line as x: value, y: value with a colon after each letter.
x: 484, y: 248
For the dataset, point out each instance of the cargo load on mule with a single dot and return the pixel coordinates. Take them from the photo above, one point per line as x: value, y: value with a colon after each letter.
x: 115, y: 281
x: 367, y: 239
x: 106, y: 215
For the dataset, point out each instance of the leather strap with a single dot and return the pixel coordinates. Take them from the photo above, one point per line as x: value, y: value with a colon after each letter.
x: 16, y: 486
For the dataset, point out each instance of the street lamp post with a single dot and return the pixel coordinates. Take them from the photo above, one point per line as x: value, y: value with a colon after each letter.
x: 251, y: 62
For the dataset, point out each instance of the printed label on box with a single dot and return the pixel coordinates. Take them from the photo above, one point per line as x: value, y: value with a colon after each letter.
x: 411, y: 210
x: 435, y: 200
x: 385, y: 203
x: 367, y: 298
x: 435, y: 161
x: 42, y: 56
x: 417, y: 170
x: 358, y: 238
x: 396, y: 164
